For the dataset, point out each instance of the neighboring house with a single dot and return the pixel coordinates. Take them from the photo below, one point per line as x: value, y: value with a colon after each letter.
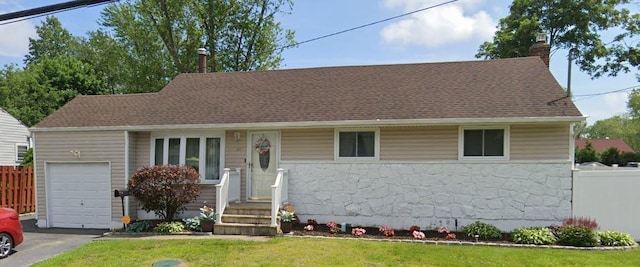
x: 600, y: 145
x: 14, y: 140
x: 426, y: 144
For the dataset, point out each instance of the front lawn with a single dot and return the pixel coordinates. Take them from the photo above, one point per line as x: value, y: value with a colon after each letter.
x: 327, y: 252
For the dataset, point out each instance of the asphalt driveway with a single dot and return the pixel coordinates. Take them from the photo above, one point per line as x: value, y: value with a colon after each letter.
x: 40, y: 244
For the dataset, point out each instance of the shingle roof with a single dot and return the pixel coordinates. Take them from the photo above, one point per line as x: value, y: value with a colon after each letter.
x: 600, y: 145
x: 504, y: 88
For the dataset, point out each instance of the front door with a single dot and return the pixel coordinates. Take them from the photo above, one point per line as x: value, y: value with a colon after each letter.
x: 263, y: 164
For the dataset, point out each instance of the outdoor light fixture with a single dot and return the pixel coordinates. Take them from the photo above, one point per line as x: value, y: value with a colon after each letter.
x: 76, y: 153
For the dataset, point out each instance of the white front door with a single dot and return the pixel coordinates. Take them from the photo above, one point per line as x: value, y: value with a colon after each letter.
x: 263, y: 164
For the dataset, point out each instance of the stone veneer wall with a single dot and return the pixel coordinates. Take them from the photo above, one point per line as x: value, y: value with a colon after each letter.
x: 508, y: 195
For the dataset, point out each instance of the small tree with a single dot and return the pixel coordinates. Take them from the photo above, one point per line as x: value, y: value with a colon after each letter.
x: 587, y: 154
x: 165, y: 189
x: 610, y: 156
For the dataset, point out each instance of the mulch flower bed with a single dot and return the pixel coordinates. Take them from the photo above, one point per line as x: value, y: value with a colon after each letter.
x: 375, y: 233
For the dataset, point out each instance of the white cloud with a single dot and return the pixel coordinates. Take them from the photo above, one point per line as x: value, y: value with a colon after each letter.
x: 15, y: 41
x: 604, y: 107
x: 15, y: 36
x: 438, y: 26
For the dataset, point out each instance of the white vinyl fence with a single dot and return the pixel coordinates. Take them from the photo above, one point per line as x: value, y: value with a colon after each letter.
x: 611, y: 197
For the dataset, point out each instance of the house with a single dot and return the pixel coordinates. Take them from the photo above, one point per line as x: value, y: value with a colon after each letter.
x: 435, y: 144
x: 14, y: 140
x: 600, y: 145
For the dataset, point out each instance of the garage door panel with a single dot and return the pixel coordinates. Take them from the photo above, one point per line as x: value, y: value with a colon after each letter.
x: 79, y: 195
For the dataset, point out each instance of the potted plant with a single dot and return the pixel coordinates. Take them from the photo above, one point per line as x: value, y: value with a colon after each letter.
x: 287, y: 216
x: 207, y: 218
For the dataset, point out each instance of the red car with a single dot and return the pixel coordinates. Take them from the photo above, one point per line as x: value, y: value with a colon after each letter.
x: 10, y: 231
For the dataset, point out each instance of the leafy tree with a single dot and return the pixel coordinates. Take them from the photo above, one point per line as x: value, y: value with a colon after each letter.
x: 633, y: 104
x: 44, y: 86
x: 53, y: 41
x: 621, y: 126
x: 610, y: 156
x: 165, y: 189
x: 160, y: 38
x: 569, y: 24
x: 586, y: 154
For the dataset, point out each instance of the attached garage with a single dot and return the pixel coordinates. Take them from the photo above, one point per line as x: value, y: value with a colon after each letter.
x: 79, y: 194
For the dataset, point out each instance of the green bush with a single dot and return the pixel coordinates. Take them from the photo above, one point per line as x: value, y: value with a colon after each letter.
x: 534, y: 235
x: 193, y: 224
x: 483, y: 230
x: 165, y: 189
x: 578, y: 236
x: 169, y: 228
x: 615, y: 238
x: 139, y: 226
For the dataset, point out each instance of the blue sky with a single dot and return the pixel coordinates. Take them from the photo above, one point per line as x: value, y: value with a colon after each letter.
x: 451, y: 32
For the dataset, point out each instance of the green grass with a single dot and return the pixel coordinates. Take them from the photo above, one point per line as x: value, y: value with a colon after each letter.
x: 327, y: 252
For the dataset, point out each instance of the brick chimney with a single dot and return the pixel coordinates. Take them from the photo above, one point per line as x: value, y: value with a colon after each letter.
x: 202, y: 60
x: 541, y: 48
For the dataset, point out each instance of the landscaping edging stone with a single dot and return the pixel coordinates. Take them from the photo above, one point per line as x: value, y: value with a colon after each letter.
x: 469, y: 243
x: 127, y: 234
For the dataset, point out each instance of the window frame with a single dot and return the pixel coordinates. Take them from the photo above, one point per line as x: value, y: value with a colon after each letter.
x: 18, y: 159
x: 183, y: 149
x: 505, y: 142
x: 376, y: 144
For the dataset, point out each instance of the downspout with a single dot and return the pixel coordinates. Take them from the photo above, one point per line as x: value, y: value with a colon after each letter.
x: 126, y: 170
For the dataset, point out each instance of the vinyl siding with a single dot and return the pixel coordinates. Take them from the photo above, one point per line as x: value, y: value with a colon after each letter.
x: 139, y: 153
x: 307, y: 144
x: 12, y: 132
x: 235, y: 153
x: 540, y: 142
x: 98, y: 146
x: 419, y: 143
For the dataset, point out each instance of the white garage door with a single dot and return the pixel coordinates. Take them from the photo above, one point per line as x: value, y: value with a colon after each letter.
x: 79, y: 195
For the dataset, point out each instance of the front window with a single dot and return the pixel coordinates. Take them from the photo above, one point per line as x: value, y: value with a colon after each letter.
x: 357, y: 144
x: 201, y: 153
x: 487, y: 142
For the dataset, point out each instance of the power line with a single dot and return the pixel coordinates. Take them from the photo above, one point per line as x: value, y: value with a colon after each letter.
x: 49, y: 10
x: 586, y: 96
x: 366, y: 25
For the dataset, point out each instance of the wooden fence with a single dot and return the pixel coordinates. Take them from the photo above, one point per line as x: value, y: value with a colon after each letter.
x: 17, y: 188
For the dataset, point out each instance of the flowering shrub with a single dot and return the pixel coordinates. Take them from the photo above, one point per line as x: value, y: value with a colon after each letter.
x: 387, y: 231
x: 358, y: 231
x: 309, y: 227
x: 418, y: 235
x: 450, y: 236
x: 581, y: 221
x: 333, y: 227
x: 414, y: 228
x: 443, y: 230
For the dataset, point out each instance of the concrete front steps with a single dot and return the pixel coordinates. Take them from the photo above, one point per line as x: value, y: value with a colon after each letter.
x: 252, y: 219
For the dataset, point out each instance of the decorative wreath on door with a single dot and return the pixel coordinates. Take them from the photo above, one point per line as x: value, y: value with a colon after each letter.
x: 262, y: 146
